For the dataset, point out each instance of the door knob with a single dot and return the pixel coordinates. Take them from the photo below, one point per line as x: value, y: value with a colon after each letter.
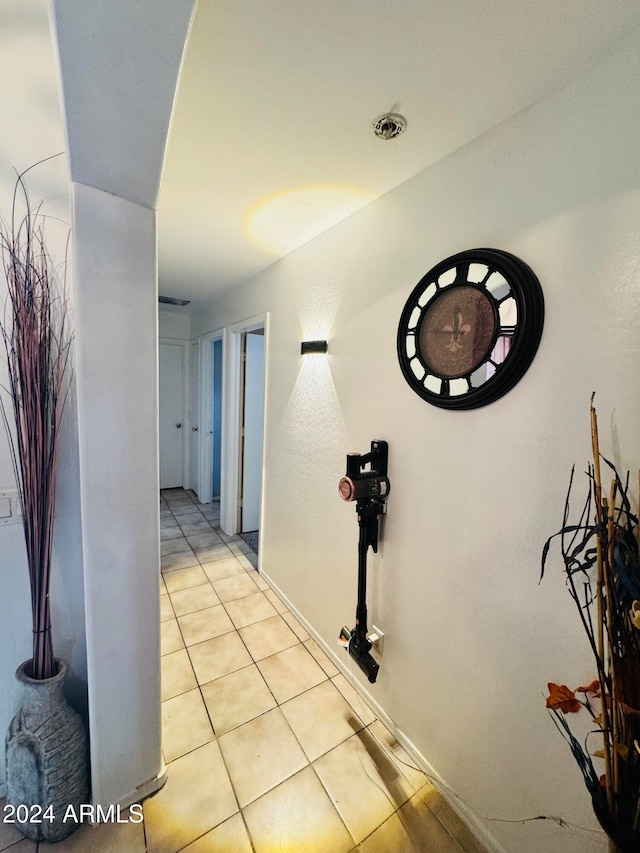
x: 178, y: 426
x: 194, y: 429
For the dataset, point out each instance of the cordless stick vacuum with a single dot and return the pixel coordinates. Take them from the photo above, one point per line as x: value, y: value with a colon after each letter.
x: 369, y: 489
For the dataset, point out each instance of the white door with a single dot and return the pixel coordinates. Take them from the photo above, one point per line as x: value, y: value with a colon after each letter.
x: 253, y: 431
x: 170, y: 415
x: 194, y: 416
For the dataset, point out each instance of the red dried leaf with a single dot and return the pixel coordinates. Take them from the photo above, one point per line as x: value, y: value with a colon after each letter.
x: 593, y: 688
x: 561, y: 698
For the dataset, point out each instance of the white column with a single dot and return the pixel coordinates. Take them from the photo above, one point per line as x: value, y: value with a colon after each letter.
x: 119, y: 64
x: 116, y: 320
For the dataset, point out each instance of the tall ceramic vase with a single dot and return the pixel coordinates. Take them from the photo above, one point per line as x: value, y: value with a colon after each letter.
x: 46, y: 758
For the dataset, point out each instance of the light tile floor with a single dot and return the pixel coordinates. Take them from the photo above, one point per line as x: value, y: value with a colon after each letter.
x: 268, y: 746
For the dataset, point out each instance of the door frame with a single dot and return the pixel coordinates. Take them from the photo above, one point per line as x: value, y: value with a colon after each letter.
x: 185, y: 399
x: 205, y: 478
x: 231, y: 419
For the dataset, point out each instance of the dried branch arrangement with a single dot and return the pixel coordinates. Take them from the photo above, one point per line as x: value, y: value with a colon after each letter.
x: 34, y: 329
x: 602, y: 570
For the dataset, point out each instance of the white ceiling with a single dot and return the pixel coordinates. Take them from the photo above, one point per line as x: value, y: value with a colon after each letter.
x: 277, y: 97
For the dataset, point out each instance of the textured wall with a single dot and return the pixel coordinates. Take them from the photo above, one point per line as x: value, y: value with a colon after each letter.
x: 471, y: 638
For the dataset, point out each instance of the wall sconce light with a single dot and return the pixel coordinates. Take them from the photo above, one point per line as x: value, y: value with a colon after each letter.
x: 308, y: 347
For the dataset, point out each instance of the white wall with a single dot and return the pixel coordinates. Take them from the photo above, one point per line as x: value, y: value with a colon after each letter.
x: 29, y: 133
x: 471, y: 638
x: 174, y: 325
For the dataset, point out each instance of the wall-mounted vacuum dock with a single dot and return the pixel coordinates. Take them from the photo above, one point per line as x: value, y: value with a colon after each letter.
x: 370, y: 490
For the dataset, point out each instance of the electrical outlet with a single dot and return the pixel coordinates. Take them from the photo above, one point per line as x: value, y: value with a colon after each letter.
x: 376, y: 638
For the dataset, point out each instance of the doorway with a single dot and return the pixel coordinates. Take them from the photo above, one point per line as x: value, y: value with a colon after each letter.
x: 194, y: 417
x: 171, y: 414
x: 211, y: 475
x: 251, y: 431
x: 243, y: 419
x: 216, y: 420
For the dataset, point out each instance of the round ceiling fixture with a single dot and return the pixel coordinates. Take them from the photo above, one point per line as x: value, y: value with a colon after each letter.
x: 389, y: 125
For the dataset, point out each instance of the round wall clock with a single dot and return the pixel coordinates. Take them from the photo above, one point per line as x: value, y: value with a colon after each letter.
x: 471, y: 328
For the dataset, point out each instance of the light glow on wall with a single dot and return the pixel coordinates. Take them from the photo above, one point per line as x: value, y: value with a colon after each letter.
x: 283, y: 222
x: 313, y: 417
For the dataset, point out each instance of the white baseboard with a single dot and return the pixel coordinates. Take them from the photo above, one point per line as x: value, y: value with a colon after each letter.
x: 145, y: 790
x: 465, y: 813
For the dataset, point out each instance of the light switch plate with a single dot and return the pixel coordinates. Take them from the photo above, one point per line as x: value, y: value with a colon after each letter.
x: 10, y: 510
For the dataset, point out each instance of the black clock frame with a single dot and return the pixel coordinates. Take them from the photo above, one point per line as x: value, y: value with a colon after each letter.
x: 524, y: 288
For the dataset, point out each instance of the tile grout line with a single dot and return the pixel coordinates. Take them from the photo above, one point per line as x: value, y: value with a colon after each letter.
x: 309, y: 763
x: 394, y: 761
x: 216, y: 737
x: 199, y: 688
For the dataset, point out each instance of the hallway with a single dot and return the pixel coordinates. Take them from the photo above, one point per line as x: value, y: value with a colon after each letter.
x: 256, y: 712
x: 267, y: 745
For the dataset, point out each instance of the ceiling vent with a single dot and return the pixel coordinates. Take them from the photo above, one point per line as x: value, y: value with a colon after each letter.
x: 173, y: 300
x: 389, y: 125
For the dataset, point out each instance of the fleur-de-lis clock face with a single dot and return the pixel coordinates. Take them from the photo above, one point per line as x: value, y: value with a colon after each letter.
x: 471, y: 328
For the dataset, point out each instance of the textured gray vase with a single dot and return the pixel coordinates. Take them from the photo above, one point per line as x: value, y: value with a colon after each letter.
x: 46, y: 755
